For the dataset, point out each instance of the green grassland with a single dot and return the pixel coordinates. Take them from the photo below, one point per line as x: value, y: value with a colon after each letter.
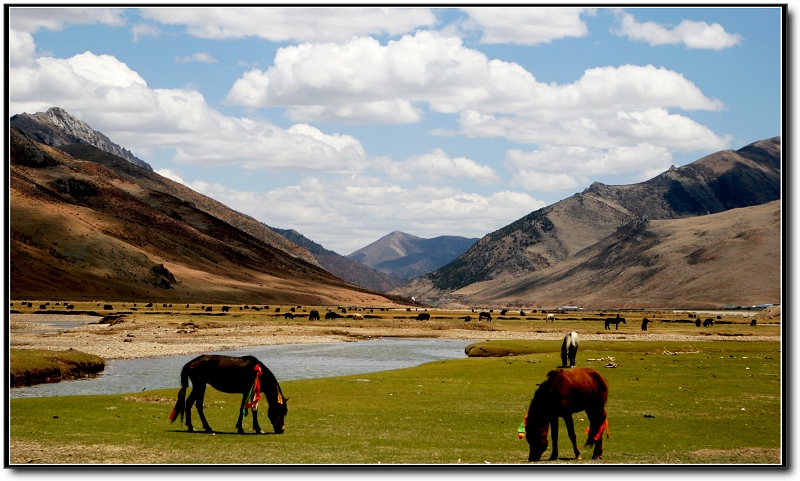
x: 699, y: 402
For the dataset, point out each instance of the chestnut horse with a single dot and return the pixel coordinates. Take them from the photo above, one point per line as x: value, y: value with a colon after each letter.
x: 246, y: 375
x: 561, y: 395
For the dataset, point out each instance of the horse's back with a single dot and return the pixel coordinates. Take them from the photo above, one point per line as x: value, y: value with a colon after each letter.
x: 578, y: 388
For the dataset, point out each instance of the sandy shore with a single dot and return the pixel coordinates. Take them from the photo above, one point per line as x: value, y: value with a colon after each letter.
x: 140, y: 336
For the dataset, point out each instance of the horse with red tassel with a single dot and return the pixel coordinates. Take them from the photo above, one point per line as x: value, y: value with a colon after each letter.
x: 246, y: 375
x: 562, y: 394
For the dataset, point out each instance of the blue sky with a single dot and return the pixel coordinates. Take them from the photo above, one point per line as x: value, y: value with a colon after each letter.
x: 349, y: 123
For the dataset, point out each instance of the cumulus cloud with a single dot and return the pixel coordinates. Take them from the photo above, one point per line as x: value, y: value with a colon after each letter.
x: 690, y: 33
x: 527, y: 26
x: 303, y: 24
x: 105, y: 92
x: 437, y: 165
x: 556, y: 168
x: 340, y: 212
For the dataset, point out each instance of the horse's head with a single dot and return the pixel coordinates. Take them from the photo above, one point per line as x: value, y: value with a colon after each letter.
x: 537, y: 440
x: 277, y: 413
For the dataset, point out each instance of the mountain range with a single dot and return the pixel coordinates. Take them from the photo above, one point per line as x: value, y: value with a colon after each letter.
x: 523, y: 256
x: 407, y: 256
x: 88, y: 222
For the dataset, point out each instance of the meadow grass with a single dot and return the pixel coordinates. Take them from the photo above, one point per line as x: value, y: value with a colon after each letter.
x: 669, y: 402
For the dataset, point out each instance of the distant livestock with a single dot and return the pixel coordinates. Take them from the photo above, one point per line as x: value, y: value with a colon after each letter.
x: 645, y: 321
x: 288, y: 315
x: 423, y: 316
x: 708, y: 322
x: 358, y: 316
x: 615, y: 321
x: 332, y: 315
x: 550, y: 318
x: 753, y: 322
x: 697, y: 323
x: 569, y: 349
x: 485, y: 315
x: 313, y: 316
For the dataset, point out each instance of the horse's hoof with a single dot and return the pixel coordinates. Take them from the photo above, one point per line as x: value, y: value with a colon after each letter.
x: 190, y: 429
x: 597, y: 457
x: 240, y: 431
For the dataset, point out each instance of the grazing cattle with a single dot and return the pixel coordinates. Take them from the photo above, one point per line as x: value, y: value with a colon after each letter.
x: 485, y: 315
x: 332, y: 315
x: 550, y: 318
x: 708, y: 322
x: 615, y: 321
x: 313, y: 315
x: 288, y: 315
x: 562, y: 394
x: 423, y: 316
x: 504, y: 312
x: 697, y: 323
x: 246, y: 375
x: 108, y: 307
x: 226, y: 308
x: 569, y: 349
x: 645, y: 321
x: 753, y: 322
x: 357, y: 316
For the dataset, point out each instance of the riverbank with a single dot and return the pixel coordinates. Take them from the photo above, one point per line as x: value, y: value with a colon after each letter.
x: 35, y: 366
x: 139, y: 335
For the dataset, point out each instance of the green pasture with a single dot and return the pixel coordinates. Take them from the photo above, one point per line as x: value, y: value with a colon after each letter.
x: 697, y: 402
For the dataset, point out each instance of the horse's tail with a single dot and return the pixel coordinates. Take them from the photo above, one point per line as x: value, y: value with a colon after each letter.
x: 180, y: 404
x: 598, y: 419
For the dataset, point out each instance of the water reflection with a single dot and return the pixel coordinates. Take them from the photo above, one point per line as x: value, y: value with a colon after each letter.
x: 288, y: 362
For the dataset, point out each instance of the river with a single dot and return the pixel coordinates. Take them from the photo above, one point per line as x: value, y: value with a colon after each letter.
x: 288, y: 362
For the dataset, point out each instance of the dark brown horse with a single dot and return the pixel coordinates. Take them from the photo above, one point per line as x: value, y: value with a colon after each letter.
x: 246, y: 375
x: 561, y: 395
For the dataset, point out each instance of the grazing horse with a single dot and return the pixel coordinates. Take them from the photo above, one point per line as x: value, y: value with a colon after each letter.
x: 615, y: 321
x: 561, y: 395
x: 569, y: 349
x: 246, y: 375
x: 485, y: 315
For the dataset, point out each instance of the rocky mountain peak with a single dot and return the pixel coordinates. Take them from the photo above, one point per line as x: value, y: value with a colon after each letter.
x: 57, y: 127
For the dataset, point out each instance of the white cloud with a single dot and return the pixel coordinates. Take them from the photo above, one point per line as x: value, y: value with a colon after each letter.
x: 692, y: 34
x: 527, y: 26
x: 303, y: 24
x: 107, y: 94
x: 200, y: 57
x: 142, y: 30
x: 437, y: 165
x: 341, y: 212
x: 31, y: 19
x: 557, y: 168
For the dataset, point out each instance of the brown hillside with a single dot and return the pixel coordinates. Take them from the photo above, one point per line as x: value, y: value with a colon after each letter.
x: 729, y: 258
x: 82, y: 230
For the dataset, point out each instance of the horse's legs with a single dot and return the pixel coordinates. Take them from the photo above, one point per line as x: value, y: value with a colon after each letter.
x: 554, y: 431
x: 571, y: 434
x: 239, y: 427
x: 256, y: 427
x: 201, y: 392
x: 189, y: 403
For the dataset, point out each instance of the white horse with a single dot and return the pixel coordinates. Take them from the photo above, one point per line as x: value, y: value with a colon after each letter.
x: 569, y: 349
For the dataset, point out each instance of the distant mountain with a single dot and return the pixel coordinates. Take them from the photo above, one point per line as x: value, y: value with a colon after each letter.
x: 341, y: 266
x: 407, y: 256
x: 541, y: 241
x: 57, y: 128
x: 90, y: 225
